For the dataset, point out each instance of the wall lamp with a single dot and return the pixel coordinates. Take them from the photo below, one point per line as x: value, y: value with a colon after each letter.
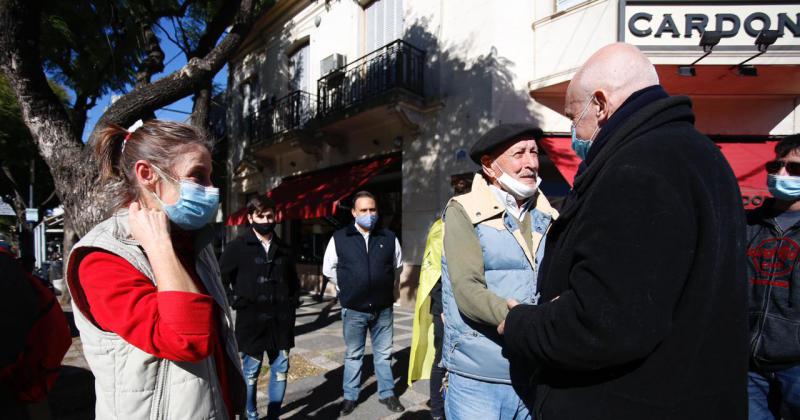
x: 764, y: 39
x: 707, y: 41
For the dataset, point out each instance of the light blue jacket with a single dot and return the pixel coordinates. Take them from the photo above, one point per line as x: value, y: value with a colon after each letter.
x: 470, y: 348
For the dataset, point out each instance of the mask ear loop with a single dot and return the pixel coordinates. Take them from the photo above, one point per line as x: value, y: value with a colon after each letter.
x: 162, y: 175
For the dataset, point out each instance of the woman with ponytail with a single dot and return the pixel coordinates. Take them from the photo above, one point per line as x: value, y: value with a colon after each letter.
x: 147, y: 295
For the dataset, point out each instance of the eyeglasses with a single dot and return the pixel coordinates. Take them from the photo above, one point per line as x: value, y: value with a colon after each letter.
x: 773, y: 166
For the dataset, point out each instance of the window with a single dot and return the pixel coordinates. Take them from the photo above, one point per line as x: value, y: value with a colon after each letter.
x: 249, y: 106
x: 384, y: 23
x: 300, y: 69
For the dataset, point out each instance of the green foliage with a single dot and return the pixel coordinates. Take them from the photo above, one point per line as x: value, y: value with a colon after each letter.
x: 17, y: 149
x: 92, y: 46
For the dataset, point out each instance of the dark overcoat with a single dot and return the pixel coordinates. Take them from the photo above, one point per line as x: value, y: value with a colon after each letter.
x: 646, y: 264
x: 263, y: 289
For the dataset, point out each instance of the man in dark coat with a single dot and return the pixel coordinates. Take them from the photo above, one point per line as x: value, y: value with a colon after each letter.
x: 643, y: 297
x: 258, y: 270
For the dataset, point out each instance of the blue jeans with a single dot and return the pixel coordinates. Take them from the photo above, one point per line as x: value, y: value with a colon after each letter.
x: 278, y: 367
x: 771, y: 392
x: 355, y: 325
x: 469, y: 399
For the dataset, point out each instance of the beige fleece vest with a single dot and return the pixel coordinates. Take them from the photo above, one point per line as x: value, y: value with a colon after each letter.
x: 131, y: 384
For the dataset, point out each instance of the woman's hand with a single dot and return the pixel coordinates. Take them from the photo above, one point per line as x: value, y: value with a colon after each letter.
x: 149, y: 227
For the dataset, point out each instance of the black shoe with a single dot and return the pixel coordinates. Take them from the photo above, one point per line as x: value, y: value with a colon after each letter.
x: 393, y: 404
x: 347, y: 407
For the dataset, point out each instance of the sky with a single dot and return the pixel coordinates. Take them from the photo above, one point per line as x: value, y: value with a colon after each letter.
x: 179, y: 111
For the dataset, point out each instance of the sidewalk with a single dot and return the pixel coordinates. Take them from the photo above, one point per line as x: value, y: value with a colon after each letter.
x: 319, y: 350
x: 314, y: 390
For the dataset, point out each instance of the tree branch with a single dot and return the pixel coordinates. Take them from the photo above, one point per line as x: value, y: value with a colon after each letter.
x: 154, y: 62
x: 182, y: 31
x: 216, y: 28
x: 184, y: 81
x: 170, y: 38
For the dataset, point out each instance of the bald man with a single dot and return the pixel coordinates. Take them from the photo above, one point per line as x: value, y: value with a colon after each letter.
x: 642, y: 309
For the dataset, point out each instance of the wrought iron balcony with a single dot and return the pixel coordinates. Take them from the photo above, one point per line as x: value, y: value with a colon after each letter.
x: 398, y: 65
x: 289, y: 113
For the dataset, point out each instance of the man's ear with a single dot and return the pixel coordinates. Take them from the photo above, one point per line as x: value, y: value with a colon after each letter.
x: 603, y: 112
x: 145, y: 173
x: 249, y: 218
x: 486, y: 166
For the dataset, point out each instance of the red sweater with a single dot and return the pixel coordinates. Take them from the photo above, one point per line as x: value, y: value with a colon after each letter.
x: 178, y: 326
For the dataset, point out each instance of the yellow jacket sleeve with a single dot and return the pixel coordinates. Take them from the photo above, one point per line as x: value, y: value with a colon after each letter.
x: 422, y: 350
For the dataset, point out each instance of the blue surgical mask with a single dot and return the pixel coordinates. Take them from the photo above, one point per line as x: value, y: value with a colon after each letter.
x: 367, y: 221
x: 579, y: 145
x: 195, y: 207
x: 784, y: 187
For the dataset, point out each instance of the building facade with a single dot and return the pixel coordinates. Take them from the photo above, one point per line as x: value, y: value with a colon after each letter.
x: 745, y: 91
x: 329, y: 97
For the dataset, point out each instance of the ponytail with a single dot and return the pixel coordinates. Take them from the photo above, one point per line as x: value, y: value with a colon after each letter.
x: 108, y: 148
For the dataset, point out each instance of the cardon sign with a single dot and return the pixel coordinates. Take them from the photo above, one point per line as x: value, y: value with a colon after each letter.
x: 670, y: 25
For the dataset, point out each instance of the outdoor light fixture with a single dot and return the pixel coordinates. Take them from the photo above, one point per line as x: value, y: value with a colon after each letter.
x: 764, y: 39
x: 707, y: 41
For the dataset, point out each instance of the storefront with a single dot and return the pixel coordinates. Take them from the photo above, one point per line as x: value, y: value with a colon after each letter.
x: 311, y: 206
x: 739, y: 62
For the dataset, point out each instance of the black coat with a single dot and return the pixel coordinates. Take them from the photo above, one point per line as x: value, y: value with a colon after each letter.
x: 647, y: 261
x: 263, y: 289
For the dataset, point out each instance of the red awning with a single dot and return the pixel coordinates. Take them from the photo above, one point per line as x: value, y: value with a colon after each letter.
x: 559, y: 150
x: 317, y: 194
x: 746, y: 159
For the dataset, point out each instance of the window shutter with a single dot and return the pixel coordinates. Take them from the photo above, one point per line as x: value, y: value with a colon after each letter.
x: 299, y: 74
x: 384, y: 23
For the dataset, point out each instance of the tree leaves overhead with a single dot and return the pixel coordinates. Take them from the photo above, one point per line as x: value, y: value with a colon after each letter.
x: 92, y: 47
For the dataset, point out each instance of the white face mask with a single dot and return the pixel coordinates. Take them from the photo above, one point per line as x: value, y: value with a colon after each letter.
x: 517, y: 188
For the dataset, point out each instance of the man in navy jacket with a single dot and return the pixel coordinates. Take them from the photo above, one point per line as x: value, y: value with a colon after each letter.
x: 361, y: 259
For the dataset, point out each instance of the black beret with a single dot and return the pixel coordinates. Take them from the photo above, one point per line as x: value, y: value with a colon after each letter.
x: 499, y: 135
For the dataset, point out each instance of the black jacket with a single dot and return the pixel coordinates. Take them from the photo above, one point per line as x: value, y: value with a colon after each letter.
x: 647, y: 264
x: 773, y: 274
x: 365, y: 279
x: 264, y: 291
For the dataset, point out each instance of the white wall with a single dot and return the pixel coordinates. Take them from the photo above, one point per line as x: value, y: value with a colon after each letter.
x: 480, y: 60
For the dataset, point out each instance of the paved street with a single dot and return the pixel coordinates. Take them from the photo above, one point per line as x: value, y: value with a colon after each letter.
x: 315, y: 376
x: 318, y: 341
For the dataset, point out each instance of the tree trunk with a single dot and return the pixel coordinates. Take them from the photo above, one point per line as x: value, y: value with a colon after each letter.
x: 74, y: 173
x: 73, y: 167
x: 201, y: 107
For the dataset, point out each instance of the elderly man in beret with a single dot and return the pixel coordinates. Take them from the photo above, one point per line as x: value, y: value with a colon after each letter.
x: 493, y: 241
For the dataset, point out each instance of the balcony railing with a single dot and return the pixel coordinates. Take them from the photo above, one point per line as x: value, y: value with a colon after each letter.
x: 395, y: 65
x: 292, y: 112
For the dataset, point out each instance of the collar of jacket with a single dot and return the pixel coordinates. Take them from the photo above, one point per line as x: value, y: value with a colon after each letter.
x: 660, y: 112
x: 636, y: 101
x: 200, y: 238
x: 352, y: 231
x: 765, y: 215
x: 481, y: 204
x: 251, y: 238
